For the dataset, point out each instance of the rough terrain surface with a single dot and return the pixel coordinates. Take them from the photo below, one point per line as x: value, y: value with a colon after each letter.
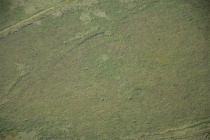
x: 104, y: 70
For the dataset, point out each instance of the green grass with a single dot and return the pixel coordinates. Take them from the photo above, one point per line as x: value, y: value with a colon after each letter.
x: 107, y: 70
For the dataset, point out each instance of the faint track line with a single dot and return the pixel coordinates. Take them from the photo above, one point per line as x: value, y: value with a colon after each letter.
x: 17, y: 81
x: 188, y: 130
x: 197, y: 129
x: 42, y: 14
x: 90, y: 37
x: 25, y: 22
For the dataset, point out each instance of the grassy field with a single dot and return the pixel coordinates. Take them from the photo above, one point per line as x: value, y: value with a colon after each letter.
x: 104, y: 70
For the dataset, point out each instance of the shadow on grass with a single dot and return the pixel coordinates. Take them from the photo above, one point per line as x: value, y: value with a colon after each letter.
x: 4, y: 6
x: 4, y: 11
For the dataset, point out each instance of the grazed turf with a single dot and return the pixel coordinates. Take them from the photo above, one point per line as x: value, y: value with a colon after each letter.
x: 106, y: 70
